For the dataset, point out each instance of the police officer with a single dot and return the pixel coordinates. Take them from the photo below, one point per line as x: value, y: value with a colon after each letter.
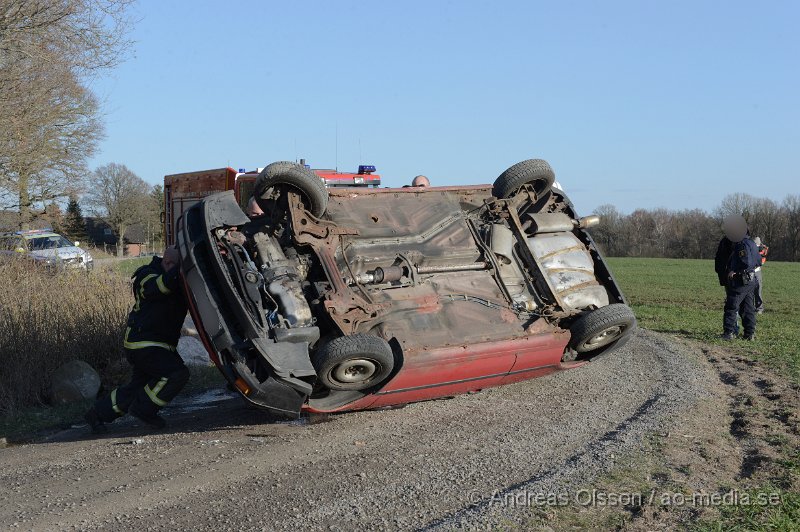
x: 740, y: 280
x: 151, y: 339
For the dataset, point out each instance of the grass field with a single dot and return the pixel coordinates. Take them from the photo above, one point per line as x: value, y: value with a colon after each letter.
x: 127, y: 266
x: 683, y: 297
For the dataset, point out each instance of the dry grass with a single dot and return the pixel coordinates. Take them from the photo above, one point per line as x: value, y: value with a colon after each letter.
x: 47, y: 319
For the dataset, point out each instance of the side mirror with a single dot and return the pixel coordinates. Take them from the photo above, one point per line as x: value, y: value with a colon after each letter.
x: 77, y: 243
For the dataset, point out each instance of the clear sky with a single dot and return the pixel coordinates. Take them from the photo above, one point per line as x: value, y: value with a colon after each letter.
x: 638, y: 103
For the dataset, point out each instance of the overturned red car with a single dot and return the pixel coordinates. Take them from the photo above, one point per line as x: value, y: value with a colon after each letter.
x: 348, y: 299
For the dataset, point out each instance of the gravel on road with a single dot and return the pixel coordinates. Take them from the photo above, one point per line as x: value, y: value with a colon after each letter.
x: 437, y: 465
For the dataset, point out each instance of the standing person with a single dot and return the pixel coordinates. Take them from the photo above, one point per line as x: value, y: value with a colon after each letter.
x: 740, y: 280
x: 151, y: 339
x: 762, y: 250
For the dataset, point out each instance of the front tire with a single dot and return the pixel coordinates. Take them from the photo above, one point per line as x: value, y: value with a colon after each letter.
x: 354, y: 362
x: 297, y: 176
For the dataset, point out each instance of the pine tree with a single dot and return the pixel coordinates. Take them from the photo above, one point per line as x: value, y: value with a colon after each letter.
x: 74, y: 224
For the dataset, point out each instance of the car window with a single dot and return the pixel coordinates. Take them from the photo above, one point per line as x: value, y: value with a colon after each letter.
x: 48, y: 242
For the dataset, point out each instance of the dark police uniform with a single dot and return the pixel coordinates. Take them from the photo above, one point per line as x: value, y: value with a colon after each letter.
x: 151, y: 340
x: 739, y: 288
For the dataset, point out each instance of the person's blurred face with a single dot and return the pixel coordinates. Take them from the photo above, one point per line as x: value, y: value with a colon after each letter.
x: 170, y: 258
x: 735, y: 227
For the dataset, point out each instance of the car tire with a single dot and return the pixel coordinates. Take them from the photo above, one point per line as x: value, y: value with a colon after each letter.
x: 298, y: 176
x: 536, y: 172
x: 354, y: 362
x: 600, y: 328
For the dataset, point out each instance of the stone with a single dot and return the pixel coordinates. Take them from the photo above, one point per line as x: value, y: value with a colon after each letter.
x: 74, y: 381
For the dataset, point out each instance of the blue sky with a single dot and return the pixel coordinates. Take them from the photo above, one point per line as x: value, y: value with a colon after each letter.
x: 639, y: 104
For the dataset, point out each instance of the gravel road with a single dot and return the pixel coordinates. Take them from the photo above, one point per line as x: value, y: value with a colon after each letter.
x: 435, y: 465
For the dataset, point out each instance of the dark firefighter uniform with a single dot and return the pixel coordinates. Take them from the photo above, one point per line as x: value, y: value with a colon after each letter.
x: 740, y: 284
x: 151, y: 339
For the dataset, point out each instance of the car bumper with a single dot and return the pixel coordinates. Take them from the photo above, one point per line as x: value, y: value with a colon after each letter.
x: 236, y: 342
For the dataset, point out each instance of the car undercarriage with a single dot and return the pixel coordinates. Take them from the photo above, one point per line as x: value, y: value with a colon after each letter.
x: 335, y: 296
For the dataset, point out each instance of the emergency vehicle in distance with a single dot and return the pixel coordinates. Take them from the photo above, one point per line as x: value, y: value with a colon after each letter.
x: 181, y: 191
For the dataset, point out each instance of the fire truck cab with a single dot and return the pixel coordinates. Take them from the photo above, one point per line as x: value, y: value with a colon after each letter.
x: 181, y: 191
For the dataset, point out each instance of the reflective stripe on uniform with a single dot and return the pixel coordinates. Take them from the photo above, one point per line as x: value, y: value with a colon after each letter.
x: 140, y: 295
x: 145, y: 343
x: 143, y: 281
x: 153, y: 393
x: 114, y: 406
x: 160, y: 283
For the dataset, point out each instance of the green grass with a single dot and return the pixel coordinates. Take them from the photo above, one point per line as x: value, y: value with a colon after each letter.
x: 126, y: 267
x: 25, y: 423
x: 683, y: 297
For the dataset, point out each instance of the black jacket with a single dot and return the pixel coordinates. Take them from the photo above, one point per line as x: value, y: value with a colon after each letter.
x: 724, y: 252
x: 157, y: 316
x: 745, y: 257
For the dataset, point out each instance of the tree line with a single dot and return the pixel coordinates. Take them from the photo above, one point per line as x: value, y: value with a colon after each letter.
x: 124, y: 200
x: 695, y: 233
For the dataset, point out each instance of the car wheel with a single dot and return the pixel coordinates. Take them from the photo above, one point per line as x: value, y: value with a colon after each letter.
x: 535, y: 172
x: 602, y: 327
x: 354, y: 362
x: 297, y: 176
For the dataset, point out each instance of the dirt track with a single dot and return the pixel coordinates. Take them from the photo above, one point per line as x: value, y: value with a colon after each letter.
x: 433, y: 465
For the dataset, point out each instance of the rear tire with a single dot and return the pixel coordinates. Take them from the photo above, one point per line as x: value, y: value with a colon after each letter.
x: 536, y: 172
x: 354, y: 362
x: 601, y: 328
x: 309, y: 184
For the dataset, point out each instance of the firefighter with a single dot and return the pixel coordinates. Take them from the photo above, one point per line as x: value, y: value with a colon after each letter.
x: 762, y: 250
x: 739, y: 280
x: 151, y: 339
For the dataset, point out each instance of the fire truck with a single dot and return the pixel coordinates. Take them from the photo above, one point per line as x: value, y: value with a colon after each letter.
x: 181, y: 191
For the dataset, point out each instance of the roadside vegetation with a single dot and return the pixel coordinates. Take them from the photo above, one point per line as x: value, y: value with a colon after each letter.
x: 47, y: 319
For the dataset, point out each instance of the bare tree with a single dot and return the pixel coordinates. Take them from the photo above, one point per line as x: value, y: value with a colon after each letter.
x: 89, y: 35
x: 120, y: 197
x: 50, y: 120
x: 738, y: 203
x: 791, y: 208
x: 50, y: 132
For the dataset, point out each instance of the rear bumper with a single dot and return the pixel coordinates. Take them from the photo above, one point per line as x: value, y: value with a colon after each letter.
x: 277, y: 376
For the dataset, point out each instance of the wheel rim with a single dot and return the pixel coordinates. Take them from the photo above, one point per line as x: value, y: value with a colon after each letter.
x: 605, y: 337
x: 356, y: 370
